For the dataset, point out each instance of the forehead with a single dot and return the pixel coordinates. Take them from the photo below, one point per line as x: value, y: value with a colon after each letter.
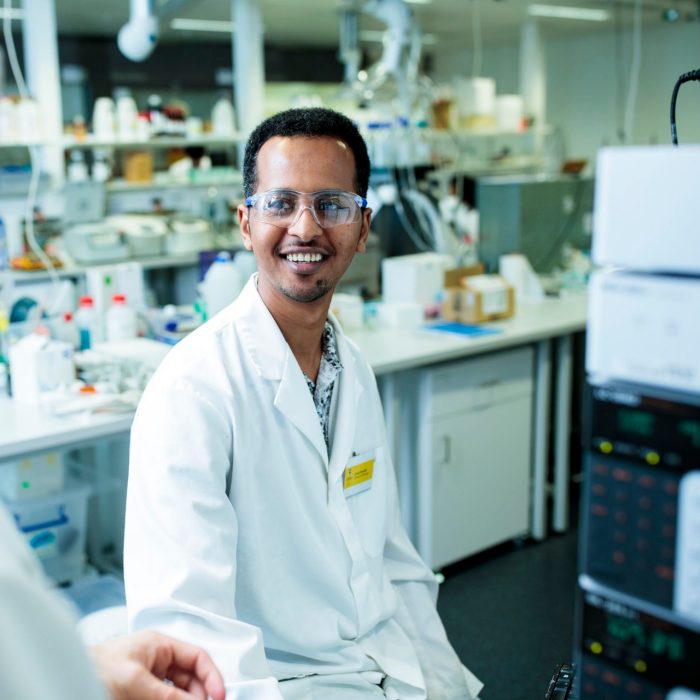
x: 305, y: 163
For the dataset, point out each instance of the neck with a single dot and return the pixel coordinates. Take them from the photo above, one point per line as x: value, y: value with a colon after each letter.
x: 301, y: 324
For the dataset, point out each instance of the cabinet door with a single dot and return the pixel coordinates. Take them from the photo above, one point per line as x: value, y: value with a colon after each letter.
x: 480, y: 481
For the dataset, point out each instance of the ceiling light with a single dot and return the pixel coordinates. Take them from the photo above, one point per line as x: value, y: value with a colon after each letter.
x: 562, y: 12
x: 201, y: 25
x: 419, y: 2
x: 10, y: 13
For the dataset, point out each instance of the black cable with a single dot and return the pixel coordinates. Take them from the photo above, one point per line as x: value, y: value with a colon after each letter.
x: 685, y: 78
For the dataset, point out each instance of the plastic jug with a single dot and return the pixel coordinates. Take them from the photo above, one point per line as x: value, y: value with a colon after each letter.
x: 121, y: 320
x: 221, y: 285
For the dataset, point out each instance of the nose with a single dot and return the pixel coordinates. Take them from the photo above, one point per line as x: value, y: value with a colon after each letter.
x: 305, y: 226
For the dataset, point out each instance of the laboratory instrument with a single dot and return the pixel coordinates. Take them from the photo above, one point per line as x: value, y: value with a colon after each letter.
x: 638, y: 613
x: 533, y: 215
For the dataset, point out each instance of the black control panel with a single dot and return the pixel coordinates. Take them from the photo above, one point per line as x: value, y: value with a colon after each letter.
x: 638, y: 449
x: 629, y: 653
x: 641, y: 457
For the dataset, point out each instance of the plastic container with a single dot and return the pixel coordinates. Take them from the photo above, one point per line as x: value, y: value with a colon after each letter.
x: 66, y: 329
x: 32, y: 477
x: 221, y: 285
x: 77, y: 168
x: 55, y: 528
x: 4, y: 254
x: 223, y: 119
x: 87, y: 321
x: 121, y: 320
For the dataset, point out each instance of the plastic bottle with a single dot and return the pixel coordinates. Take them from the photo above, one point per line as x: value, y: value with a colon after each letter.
x: 4, y: 352
x: 4, y: 255
x: 222, y: 284
x: 101, y: 169
x: 87, y: 322
x: 77, y: 169
x: 159, y: 122
x: 223, y: 119
x: 67, y: 330
x: 121, y: 320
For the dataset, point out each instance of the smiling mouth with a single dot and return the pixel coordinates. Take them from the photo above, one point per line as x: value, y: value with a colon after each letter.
x: 304, y: 257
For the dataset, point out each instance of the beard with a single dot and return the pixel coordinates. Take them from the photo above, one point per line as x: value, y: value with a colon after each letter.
x: 306, y: 295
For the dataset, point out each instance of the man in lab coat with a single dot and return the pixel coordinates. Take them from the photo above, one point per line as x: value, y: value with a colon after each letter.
x: 42, y: 658
x: 262, y: 514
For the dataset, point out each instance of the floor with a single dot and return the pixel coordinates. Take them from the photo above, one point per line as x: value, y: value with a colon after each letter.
x: 509, y: 613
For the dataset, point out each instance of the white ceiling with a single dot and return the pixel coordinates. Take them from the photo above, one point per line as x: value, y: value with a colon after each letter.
x: 316, y: 22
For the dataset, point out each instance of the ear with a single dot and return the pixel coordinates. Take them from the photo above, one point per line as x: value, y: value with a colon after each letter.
x: 364, y: 232
x: 244, y: 223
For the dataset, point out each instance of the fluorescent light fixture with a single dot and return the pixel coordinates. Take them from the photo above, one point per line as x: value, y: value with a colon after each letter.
x: 419, y: 2
x: 201, y: 25
x: 563, y: 12
x: 377, y: 35
x: 10, y: 13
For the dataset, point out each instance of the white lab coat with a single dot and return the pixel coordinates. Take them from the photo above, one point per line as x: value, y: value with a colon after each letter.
x: 240, y: 538
x: 40, y: 654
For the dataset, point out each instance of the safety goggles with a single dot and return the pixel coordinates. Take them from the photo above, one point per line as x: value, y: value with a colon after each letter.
x: 328, y: 207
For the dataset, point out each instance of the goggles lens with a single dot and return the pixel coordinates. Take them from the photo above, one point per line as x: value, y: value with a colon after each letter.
x: 328, y: 207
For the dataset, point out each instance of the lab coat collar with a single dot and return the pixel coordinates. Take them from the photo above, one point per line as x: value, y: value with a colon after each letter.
x: 274, y: 360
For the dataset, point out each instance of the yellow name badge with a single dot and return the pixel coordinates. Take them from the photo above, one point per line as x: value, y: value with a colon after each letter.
x: 358, y: 475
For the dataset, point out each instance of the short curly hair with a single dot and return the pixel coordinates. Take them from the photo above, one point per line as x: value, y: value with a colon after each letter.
x: 309, y: 122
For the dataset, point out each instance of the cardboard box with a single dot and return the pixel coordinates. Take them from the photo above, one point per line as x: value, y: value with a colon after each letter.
x: 138, y: 166
x: 473, y: 297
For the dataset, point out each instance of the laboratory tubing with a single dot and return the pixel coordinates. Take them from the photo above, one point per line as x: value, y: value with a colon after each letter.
x: 87, y: 322
x: 121, y: 320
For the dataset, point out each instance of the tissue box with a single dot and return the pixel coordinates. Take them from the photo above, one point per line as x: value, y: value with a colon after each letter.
x: 472, y: 297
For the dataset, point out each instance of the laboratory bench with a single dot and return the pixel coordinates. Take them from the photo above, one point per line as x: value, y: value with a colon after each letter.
x: 448, y: 400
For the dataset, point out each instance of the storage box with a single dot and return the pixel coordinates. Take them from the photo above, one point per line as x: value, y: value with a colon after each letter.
x: 55, y: 528
x: 138, y: 166
x: 32, y: 477
x: 414, y: 278
x: 472, y: 297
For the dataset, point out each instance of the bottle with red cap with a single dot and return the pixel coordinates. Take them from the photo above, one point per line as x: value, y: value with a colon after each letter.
x: 88, y: 323
x: 66, y: 329
x: 121, y: 320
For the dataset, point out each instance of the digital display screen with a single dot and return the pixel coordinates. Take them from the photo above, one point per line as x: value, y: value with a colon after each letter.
x: 635, y: 422
x: 643, y: 644
x: 690, y: 429
x: 643, y: 423
x: 656, y: 641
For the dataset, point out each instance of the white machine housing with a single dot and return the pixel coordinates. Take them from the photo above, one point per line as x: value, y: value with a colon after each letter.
x: 644, y: 329
x: 647, y: 209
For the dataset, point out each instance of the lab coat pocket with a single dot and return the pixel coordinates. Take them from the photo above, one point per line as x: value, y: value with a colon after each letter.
x: 364, y: 485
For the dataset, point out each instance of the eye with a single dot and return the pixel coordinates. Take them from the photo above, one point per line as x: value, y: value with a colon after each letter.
x: 331, y: 203
x: 279, y: 204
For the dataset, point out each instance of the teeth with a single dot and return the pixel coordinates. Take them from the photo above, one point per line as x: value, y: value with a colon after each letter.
x: 304, y: 257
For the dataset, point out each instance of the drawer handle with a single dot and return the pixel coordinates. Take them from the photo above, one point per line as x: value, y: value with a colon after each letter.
x: 61, y: 519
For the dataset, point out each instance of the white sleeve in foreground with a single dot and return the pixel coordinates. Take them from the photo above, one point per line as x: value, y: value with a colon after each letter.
x: 41, y: 656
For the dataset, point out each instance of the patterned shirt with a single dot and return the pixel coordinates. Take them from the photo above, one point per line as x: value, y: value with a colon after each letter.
x: 322, y: 389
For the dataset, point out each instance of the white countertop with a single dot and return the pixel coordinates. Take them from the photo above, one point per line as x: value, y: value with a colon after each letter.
x: 394, y: 349
x: 25, y: 428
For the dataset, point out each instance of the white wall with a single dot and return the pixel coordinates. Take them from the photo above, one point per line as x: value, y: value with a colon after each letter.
x: 582, y: 84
